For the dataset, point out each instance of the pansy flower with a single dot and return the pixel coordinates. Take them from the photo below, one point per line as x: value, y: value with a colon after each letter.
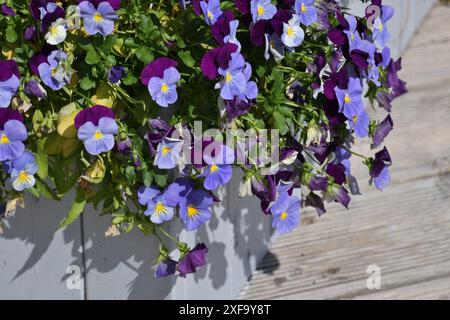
x: 306, y: 11
x: 219, y: 170
x: 116, y: 73
x: 251, y: 89
x: 211, y: 11
x: 157, y: 207
x: 194, y: 259
x: 57, y: 32
x: 96, y: 128
x: 293, y: 34
x: 35, y: 89
x: 23, y: 170
x: 98, y: 19
x: 262, y: 10
x: 350, y: 100
x: 286, y: 214
x: 360, y: 124
x: 352, y: 33
x: 168, y: 153
x: 165, y: 268
x: 231, y: 37
x: 12, y: 134
x: 9, y: 81
x: 7, y: 11
x: 379, y: 171
x: 382, y: 130
x: 274, y: 46
x: 54, y: 73
x: 234, y: 81
x: 381, y: 35
x: 47, y: 11
x: 195, y: 209
x: 161, y: 78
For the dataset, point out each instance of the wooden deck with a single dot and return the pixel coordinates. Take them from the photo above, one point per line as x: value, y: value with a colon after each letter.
x: 404, y: 230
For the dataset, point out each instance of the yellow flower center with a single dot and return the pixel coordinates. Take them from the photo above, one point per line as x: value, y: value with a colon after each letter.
x: 260, y: 10
x: 98, y: 17
x: 284, y: 215
x: 380, y: 26
x: 347, y: 99
x: 210, y: 15
x: 191, y: 211
x: 23, y: 177
x: 164, y: 88
x: 165, y: 150
x: 98, y: 135
x: 228, y: 77
x: 53, y: 31
x: 4, y: 139
x: 355, y: 119
x: 303, y: 8
x: 214, y: 168
x: 160, y: 208
x: 290, y: 31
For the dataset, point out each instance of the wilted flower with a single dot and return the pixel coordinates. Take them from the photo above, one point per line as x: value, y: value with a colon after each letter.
x: 35, y: 89
x: 116, y: 73
x: 194, y: 259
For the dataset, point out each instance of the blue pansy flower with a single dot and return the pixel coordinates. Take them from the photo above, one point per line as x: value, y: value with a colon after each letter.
x: 211, y: 11
x: 219, y: 170
x: 381, y: 35
x: 286, y: 214
x: 54, y: 73
x: 234, y: 80
x: 98, y: 139
x: 168, y: 153
x: 262, y: 10
x: 98, y: 20
x: 306, y: 11
x: 23, y: 170
x: 293, y: 34
x: 157, y: 207
x: 195, y: 209
x: 11, y: 140
x: 360, y: 124
x: 350, y: 100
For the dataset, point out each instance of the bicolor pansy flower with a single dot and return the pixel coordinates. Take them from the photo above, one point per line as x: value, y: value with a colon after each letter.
x: 9, y: 81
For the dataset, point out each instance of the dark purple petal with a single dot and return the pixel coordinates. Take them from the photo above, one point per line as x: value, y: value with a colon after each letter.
x: 156, y: 68
x: 337, y: 36
x: 7, y: 114
x: 221, y: 28
x: 215, y: 58
x: 257, y: 32
x: 7, y: 11
x: 359, y: 58
x: 33, y: 88
x: 166, y: 268
x: 243, y: 6
x: 337, y: 171
x: 93, y: 114
x: 315, y: 201
x: 8, y: 68
x: 318, y: 183
x: 382, y: 160
x: 116, y: 73
x: 342, y: 197
x: 29, y: 33
x: 383, y: 130
x: 194, y: 259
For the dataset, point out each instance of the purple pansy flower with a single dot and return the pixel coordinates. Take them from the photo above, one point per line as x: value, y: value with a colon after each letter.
x: 98, y: 138
x: 195, y: 209
x: 194, y: 259
x: 23, y: 170
x: 7, y: 11
x: 164, y: 90
x: 306, y: 11
x: 93, y: 114
x: 379, y: 171
x: 116, y: 73
x: 350, y: 100
x: 217, y: 58
x: 382, y: 130
x: 168, y: 153
x: 35, y: 89
x: 219, y: 170
x: 234, y: 80
x: 262, y: 10
x: 98, y: 20
x: 47, y: 11
x: 381, y: 35
x: 341, y: 196
x: 166, y: 268
x: 211, y: 11
x: 9, y: 81
x: 286, y: 214
x: 360, y: 124
x: 12, y: 135
x: 54, y: 73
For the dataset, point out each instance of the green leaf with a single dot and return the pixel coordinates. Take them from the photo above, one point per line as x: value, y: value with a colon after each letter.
x: 42, y: 163
x: 86, y: 83
x: 11, y: 35
x: 92, y: 57
x: 77, y: 208
x: 160, y: 179
x: 129, y: 80
x: 145, y: 54
x: 186, y: 57
x: 280, y: 122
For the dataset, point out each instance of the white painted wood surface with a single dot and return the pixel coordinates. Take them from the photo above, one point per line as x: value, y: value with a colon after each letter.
x: 34, y: 255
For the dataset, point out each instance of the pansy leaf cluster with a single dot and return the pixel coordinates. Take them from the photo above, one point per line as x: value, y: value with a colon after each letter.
x: 102, y: 98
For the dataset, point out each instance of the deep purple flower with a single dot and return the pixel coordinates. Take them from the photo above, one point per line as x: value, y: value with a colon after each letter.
x: 306, y: 11
x: 168, y: 153
x: 219, y: 170
x: 341, y: 196
x: 35, y: 89
x: 379, y: 171
x: 116, y: 73
x: 194, y: 259
x: 350, y: 100
x: 99, y: 19
x: 243, y: 6
x: 222, y: 27
x: 9, y: 81
x: 382, y: 130
x: 29, y: 33
x: 318, y: 183
x: 195, y: 209
x: 7, y: 11
x: 211, y: 11
x: 166, y: 268
x: 93, y: 114
x: 286, y: 214
x: 98, y: 138
x: 337, y: 171
x: 237, y: 107
x: 262, y: 10
x: 217, y: 58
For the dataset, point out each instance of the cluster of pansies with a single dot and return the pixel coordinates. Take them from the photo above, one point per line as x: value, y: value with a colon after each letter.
x: 102, y: 96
